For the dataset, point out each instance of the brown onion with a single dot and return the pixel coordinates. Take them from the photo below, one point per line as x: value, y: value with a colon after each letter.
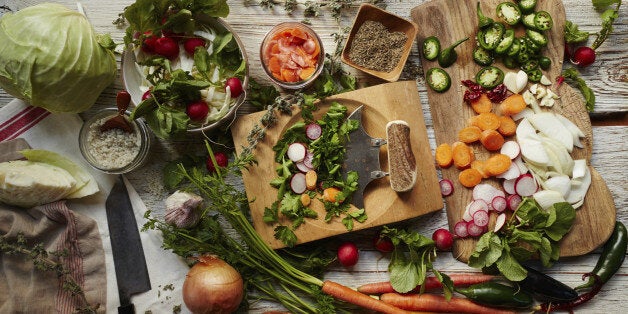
x: 212, y: 286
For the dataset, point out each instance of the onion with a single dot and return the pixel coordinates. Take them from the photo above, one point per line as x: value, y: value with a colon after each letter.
x: 212, y: 286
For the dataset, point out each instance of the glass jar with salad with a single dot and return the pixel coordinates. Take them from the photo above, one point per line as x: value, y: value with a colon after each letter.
x: 186, y: 70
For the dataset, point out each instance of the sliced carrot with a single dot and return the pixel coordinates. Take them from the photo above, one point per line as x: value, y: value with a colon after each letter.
x: 274, y: 64
x: 289, y: 75
x: 444, y: 155
x: 513, y: 104
x: 497, y: 164
x: 469, y: 134
x: 365, y: 301
x: 330, y: 194
x: 486, y: 121
x: 274, y: 48
x: 437, y: 303
x: 492, y: 140
x: 507, y: 126
x: 479, y: 166
x: 469, y: 177
x: 462, y: 155
x: 307, y: 72
x: 482, y: 105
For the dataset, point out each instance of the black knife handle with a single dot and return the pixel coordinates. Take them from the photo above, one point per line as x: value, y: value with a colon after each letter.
x: 126, y: 309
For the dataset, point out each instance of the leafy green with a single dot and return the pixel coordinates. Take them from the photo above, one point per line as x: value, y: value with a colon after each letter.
x: 261, y: 96
x: 573, y: 34
x: 573, y: 76
x: 608, y: 17
x: 600, y: 5
x: 532, y: 231
x: 51, y: 57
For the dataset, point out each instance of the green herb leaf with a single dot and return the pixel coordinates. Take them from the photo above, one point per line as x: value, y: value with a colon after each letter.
x: 510, y: 267
x: 573, y: 34
x: 405, y: 274
x: 285, y: 235
x: 565, y: 216
x: 600, y: 5
x: 572, y: 75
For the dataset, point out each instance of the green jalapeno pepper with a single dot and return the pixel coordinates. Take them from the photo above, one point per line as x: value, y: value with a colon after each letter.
x: 483, y: 21
x: 528, y: 21
x: 438, y: 80
x: 547, y: 288
x: 545, y: 62
x: 509, y: 12
x: 612, y: 257
x: 534, y: 75
x: 510, y: 62
x: 489, y: 77
x: 530, y: 65
x: 482, y: 56
x: 448, y: 56
x: 536, y: 37
x: 527, y: 6
x: 498, y: 295
x: 431, y: 48
x: 543, y: 20
x: 507, y: 40
x: 490, y: 37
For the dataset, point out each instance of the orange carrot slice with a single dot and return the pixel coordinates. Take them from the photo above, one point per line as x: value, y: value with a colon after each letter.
x: 513, y: 104
x: 486, y: 121
x: 507, y: 126
x: 462, y: 155
x: 469, y: 177
x: 497, y: 164
x: 492, y: 140
x: 444, y: 155
x: 469, y: 134
x: 482, y: 105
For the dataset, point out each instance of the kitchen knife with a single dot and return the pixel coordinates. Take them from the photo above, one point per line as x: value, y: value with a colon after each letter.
x: 126, y: 245
x: 362, y: 156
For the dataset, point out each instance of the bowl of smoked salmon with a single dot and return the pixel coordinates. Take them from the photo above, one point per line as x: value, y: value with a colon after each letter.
x: 292, y: 55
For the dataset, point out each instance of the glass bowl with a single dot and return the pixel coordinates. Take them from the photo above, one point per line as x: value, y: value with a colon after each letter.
x: 292, y: 41
x: 114, y: 151
x: 133, y: 79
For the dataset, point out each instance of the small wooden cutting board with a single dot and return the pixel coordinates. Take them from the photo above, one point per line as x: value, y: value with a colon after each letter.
x: 382, y: 103
x: 450, y: 20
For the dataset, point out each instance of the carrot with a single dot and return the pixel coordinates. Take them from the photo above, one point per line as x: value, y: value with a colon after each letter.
x: 479, y: 166
x: 444, y: 155
x: 462, y: 155
x: 469, y: 177
x: 482, y: 104
x: 486, y: 121
x: 491, y: 140
x: 329, y: 194
x: 497, y: 164
x: 431, y: 283
x: 507, y: 126
x: 349, y: 295
x: 513, y: 104
x: 469, y: 134
x: 437, y: 303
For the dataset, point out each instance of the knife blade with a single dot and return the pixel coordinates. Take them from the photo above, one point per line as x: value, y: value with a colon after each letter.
x: 126, y: 246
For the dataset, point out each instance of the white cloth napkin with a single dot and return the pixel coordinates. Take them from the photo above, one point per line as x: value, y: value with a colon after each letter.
x: 59, y: 133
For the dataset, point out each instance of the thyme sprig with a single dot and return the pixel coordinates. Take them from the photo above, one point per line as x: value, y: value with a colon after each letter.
x: 312, y: 9
x: 47, y: 261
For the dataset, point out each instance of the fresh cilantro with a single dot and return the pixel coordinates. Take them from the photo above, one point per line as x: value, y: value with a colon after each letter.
x: 285, y: 235
x: 534, y: 230
x: 573, y: 76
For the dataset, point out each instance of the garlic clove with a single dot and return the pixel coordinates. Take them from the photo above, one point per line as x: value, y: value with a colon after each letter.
x: 522, y: 80
x: 545, y: 81
x: 510, y: 81
x: 183, y: 209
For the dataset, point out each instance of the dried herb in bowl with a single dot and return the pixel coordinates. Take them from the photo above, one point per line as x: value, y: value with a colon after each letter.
x: 376, y: 48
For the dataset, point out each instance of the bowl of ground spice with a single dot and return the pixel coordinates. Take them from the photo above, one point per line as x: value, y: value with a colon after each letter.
x: 114, y: 150
x: 379, y: 42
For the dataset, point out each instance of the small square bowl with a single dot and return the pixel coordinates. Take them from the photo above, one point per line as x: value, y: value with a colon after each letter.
x: 393, y: 23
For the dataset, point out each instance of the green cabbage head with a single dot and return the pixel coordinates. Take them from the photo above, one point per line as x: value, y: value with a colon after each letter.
x: 51, y: 57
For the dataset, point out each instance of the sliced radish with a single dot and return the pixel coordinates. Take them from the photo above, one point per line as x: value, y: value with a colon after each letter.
x: 512, y: 172
x: 296, y: 152
x: 446, y: 187
x: 513, y: 201
x: 297, y: 183
x: 313, y: 131
x: 486, y: 192
x: 522, y: 166
x: 480, y: 218
x: 466, y: 216
x: 460, y: 229
x: 510, y: 149
x: 499, y: 204
x: 476, y: 206
x: 302, y: 166
x: 474, y: 230
x: 509, y: 186
x: 307, y: 161
x: 526, y: 185
x: 499, y: 222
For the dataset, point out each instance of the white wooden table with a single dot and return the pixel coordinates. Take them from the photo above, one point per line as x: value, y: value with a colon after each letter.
x: 608, y: 77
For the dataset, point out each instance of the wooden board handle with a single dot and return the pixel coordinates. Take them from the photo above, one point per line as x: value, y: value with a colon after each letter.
x: 401, y: 161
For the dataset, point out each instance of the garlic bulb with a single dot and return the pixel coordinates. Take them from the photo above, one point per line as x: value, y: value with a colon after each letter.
x: 183, y: 209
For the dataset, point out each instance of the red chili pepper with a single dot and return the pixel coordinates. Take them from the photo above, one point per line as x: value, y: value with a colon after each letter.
x: 583, y: 298
x: 497, y: 94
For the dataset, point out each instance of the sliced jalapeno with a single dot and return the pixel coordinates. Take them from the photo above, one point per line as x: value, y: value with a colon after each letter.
x: 524, y: 55
x: 431, y: 48
x: 438, y: 80
x: 543, y: 20
x: 483, y: 21
x: 528, y: 21
x: 545, y: 62
x: 514, y: 48
x: 532, y: 45
x: 536, y: 37
x: 530, y: 65
x: 482, y: 56
x: 506, y: 42
x: 510, y: 62
x: 534, y: 75
x: 527, y: 6
x: 509, y: 12
x: 489, y: 77
x: 490, y: 37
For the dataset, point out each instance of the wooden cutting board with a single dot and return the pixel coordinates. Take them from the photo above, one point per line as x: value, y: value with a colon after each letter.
x: 450, y: 20
x: 382, y: 103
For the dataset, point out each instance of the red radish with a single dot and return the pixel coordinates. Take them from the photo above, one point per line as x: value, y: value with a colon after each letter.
x: 513, y: 201
x: 480, y: 218
x: 146, y: 95
x: 499, y: 222
x: 149, y: 42
x: 474, y: 230
x: 460, y: 229
x: 499, y: 204
x: 443, y: 239
x: 383, y: 244
x: 348, y: 254
x: 167, y: 47
x: 446, y: 187
x: 235, y: 86
x: 296, y: 152
x: 221, y: 159
x: 510, y: 149
x: 302, y: 166
x: 313, y: 131
x: 509, y: 186
x: 486, y: 192
x: 190, y: 44
x: 478, y: 205
x: 466, y: 216
x: 297, y: 183
x: 307, y: 161
x: 197, y: 110
x: 526, y: 185
x: 583, y: 56
x: 512, y: 172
